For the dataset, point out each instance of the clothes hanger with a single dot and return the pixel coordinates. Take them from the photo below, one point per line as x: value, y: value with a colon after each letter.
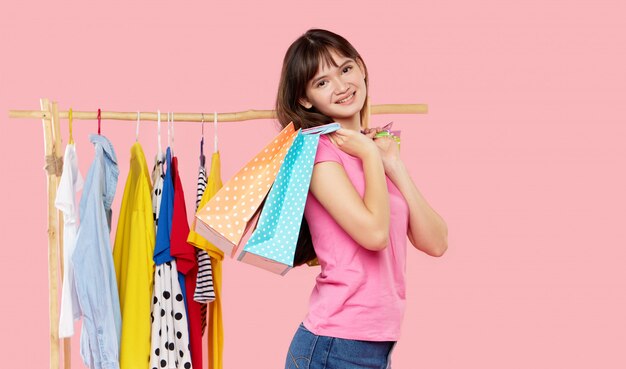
x: 159, y: 147
x: 99, y: 118
x: 170, y: 132
x: 215, y: 131
x: 70, y: 119
x: 202, y: 158
x: 172, y: 129
x: 137, y: 130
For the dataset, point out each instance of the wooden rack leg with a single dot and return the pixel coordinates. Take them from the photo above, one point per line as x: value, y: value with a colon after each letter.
x: 53, y: 252
x: 67, y: 342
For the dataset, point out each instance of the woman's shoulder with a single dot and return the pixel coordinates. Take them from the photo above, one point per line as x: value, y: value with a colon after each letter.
x: 327, y: 151
x: 325, y: 140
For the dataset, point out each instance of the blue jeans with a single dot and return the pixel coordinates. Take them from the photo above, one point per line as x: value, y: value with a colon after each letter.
x: 310, y: 351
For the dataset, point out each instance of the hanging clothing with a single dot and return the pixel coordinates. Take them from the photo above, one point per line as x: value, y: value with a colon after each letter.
x: 70, y: 184
x: 134, y: 268
x: 164, y: 216
x: 216, y: 330
x: 94, y: 273
x: 162, y: 253
x: 201, y: 184
x: 204, y: 285
x: 169, y: 346
x: 170, y: 335
x: 157, y: 187
x: 185, y: 255
x: 201, y: 255
x: 204, y: 282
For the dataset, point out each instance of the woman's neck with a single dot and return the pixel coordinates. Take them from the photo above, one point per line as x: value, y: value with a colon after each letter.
x: 353, y: 123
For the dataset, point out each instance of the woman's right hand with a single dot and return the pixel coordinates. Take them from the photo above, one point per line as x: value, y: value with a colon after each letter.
x: 354, y: 143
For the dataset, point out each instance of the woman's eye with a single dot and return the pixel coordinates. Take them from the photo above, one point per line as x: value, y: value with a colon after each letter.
x: 319, y: 84
x: 346, y: 69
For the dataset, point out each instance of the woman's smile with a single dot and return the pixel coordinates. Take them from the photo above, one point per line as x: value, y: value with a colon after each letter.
x: 348, y: 100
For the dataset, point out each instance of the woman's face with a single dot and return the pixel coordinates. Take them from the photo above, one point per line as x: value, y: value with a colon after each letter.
x: 337, y: 92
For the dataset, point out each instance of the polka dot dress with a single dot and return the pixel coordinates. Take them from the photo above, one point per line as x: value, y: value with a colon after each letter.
x: 277, y: 232
x: 169, y: 346
x: 170, y: 337
x: 157, y: 186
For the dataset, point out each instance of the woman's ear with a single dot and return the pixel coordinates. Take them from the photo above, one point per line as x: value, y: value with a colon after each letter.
x: 305, y: 102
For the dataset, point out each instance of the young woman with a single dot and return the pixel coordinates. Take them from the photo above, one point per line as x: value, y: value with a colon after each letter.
x: 362, y: 206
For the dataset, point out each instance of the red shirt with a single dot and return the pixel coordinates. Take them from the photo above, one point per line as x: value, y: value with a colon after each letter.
x: 187, y: 263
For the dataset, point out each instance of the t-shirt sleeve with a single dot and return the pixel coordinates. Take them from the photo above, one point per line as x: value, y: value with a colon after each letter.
x: 327, y: 151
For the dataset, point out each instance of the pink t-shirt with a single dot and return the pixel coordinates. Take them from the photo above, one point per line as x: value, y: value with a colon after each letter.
x: 359, y: 294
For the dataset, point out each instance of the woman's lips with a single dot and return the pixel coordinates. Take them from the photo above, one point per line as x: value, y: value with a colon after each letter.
x: 346, y: 100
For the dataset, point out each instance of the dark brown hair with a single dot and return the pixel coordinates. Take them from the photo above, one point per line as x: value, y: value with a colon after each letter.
x: 300, y: 65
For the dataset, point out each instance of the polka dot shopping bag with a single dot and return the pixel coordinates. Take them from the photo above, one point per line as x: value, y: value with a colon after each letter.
x: 230, y: 216
x: 272, y: 245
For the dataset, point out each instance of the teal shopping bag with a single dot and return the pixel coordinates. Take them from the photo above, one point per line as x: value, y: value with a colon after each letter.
x: 272, y: 245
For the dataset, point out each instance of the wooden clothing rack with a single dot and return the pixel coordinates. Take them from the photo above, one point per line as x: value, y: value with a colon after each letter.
x: 50, y: 116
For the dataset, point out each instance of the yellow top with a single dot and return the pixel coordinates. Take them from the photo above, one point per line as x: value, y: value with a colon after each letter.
x: 216, y: 330
x: 134, y: 267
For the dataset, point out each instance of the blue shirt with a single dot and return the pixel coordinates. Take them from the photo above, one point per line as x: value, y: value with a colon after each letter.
x: 166, y: 212
x: 94, y: 272
x: 162, y: 252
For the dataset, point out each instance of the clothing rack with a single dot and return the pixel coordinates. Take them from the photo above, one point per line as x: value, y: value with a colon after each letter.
x: 199, y: 117
x: 50, y: 116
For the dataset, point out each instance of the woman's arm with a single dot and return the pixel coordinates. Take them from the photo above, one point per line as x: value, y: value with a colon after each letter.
x: 427, y: 231
x: 365, y: 219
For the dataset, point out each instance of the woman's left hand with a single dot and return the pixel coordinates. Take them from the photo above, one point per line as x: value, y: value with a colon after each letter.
x: 388, y: 147
x: 389, y: 152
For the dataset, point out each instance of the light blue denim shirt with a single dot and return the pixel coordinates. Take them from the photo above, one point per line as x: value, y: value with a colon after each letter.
x: 94, y: 273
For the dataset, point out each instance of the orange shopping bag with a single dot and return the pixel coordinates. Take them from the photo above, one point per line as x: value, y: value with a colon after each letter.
x: 233, y: 211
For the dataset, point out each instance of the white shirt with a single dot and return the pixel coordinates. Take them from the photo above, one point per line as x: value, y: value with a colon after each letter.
x: 71, y: 183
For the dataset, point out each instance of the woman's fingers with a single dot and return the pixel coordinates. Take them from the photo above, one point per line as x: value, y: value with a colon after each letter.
x: 370, y: 134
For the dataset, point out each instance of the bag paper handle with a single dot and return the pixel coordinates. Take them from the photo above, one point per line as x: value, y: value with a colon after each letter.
x: 321, y: 130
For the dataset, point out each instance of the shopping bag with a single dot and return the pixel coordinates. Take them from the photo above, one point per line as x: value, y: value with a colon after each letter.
x: 387, y: 132
x: 273, y: 243
x: 229, y: 214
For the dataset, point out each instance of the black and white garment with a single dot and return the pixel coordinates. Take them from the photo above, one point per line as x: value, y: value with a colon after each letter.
x: 201, y: 185
x: 157, y: 186
x: 170, y: 333
x: 204, y: 292
x: 169, y: 346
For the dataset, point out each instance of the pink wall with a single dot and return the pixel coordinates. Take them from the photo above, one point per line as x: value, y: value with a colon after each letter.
x: 522, y: 153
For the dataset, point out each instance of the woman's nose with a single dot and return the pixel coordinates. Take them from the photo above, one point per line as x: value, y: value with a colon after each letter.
x: 341, y: 86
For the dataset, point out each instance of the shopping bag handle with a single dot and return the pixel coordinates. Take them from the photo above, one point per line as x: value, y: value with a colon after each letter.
x: 321, y: 130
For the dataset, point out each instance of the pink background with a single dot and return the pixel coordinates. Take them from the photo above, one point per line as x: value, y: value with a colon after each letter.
x: 522, y: 153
